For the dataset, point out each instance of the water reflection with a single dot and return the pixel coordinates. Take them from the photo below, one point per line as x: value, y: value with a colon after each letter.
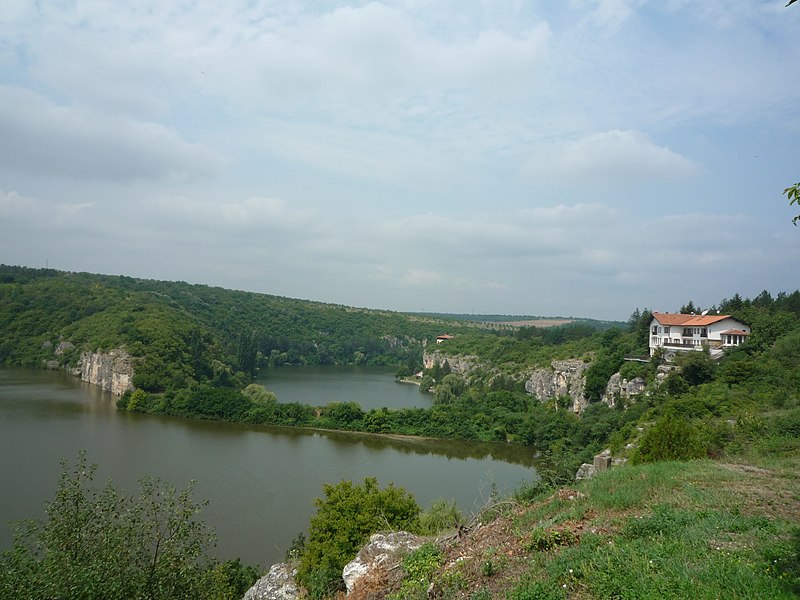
x: 260, y: 481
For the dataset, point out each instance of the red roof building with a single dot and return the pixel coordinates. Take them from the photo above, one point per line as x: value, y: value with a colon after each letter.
x: 675, y: 332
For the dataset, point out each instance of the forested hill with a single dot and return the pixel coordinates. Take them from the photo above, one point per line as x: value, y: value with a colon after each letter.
x: 179, y: 330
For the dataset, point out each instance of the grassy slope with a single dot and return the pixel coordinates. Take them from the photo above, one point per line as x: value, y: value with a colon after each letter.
x: 701, y: 529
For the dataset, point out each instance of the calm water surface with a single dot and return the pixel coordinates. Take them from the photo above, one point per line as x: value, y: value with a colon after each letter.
x: 260, y: 482
x: 371, y: 387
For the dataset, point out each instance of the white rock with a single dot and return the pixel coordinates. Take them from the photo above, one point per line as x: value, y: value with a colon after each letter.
x: 384, y: 550
x: 278, y: 584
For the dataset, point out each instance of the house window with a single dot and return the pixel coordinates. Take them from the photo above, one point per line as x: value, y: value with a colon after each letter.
x: 654, y: 330
x: 666, y: 330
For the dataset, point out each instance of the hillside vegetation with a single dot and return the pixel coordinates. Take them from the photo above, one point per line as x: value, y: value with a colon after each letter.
x: 180, y: 332
x: 726, y: 527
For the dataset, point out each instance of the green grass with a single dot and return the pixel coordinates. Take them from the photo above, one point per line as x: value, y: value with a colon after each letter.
x: 699, y: 529
x: 667, y: 530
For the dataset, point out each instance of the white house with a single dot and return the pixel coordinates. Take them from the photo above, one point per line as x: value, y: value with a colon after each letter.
x: 679, y: 332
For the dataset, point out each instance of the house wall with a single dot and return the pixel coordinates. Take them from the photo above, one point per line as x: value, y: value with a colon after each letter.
x: 715, y: 329
x: 657, y: 339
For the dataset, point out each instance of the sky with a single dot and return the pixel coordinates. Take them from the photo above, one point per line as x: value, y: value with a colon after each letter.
x: 574, y: 158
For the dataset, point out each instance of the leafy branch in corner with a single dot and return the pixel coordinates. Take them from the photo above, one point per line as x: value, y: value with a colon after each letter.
x: 793, y: 194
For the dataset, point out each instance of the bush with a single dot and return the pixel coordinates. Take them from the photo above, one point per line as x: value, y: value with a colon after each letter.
x: 630, y: 370
x: 441, y: 516
x: 99, y: 544
x: 671, y: 438
x: 419, y: 568
x: 696, y: 367
x: 345, y: 519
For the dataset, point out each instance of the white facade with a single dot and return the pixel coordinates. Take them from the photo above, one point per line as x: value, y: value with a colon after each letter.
x: 679, y: 332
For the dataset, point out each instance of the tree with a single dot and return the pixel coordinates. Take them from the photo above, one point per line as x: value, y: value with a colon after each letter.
x: 100, y: 544
x: 696, y: 367
x: 689, y: 309
x: 246, y: 353
x: 259, y: 395
x: 345, y: 519
x: 633, y: 320
x: 793, y: 192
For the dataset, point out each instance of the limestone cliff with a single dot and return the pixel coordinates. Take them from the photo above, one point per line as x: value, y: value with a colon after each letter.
x: 459, y: 364
x: 112, y: 371
x: 562, y: 378
x: 622, y: 389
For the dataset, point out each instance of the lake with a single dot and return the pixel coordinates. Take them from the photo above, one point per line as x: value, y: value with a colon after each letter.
x: 371, y: 387
x: 260, y: 482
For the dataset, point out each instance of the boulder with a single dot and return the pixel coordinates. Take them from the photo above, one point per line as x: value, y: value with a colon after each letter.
x: 585, y: 471
x: 384, y: 550
x: 602, y: 462
x: 278, y: 584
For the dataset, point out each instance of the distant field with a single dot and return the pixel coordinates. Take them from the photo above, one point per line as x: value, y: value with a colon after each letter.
x: 540, y: 322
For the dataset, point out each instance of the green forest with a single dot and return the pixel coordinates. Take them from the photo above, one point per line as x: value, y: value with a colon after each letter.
x: 181, y: 334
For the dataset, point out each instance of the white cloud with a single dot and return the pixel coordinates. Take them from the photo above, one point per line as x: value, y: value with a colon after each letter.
x: 370, y: 54
x: 51, y: 140
x: 612, y: 157
x: 378, y: 153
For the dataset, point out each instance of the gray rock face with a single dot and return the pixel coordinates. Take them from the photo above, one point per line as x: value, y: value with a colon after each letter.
x: 618, y: 388
x: 63, y: 347
x: 563, y: 378
x: 278, y: 584
x: 384, y: 550
x: 585, y: 471
x: 459, y: 364
x: 112, y: 371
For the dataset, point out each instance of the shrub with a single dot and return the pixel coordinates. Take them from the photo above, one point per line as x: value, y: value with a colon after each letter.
x: 630, y: 370
x: 544, y: 540
x: 696, y: 367
x: 441, y: 516
x: 99, y: 544
x: 419, y: 567
x: 344, y: 521
x: 670, y: 438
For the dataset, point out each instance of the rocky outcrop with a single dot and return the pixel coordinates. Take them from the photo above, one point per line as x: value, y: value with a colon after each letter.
x: 563, y: 378
x: 112, y: 371
x: 384, y: 551
x: 459, y: 364
x: 63, y: 347
x: 622, y: 389
x: 278, y: 584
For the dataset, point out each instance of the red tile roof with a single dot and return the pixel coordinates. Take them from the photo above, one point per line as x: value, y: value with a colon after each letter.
x: 735, y: 332
x: 688, y: 320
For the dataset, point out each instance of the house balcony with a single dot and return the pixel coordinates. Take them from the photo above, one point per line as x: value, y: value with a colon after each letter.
x: 680, y: 345
x: 686, y: 344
